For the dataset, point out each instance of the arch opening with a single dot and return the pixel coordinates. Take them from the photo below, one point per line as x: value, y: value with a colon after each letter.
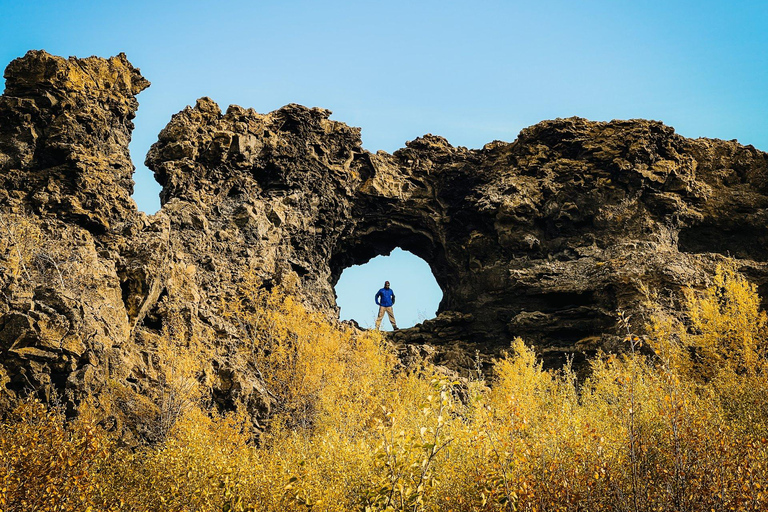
x: 417, y: 292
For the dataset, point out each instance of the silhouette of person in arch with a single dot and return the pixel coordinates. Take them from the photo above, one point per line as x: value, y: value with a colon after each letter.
x: 385, y: 299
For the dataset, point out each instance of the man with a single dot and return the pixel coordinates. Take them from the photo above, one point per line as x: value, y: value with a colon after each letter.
x: 385, y: 299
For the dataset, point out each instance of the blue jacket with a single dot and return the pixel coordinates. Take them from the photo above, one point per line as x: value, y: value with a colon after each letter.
x: 385, y: 297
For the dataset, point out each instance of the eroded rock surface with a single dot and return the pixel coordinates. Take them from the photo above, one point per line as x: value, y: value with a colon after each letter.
x: 545, y: 237
x: 65, y: 125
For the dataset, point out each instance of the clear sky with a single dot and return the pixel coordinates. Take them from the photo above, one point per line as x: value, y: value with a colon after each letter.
x: 469, y: 71
x: 417, y: 294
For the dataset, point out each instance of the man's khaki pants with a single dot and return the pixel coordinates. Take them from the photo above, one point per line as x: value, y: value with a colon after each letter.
x: 391, y: 314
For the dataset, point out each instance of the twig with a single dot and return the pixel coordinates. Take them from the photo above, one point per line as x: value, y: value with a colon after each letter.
x: 16, y: 246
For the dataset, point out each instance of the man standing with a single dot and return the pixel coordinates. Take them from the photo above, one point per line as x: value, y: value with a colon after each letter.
x: 385, y: 299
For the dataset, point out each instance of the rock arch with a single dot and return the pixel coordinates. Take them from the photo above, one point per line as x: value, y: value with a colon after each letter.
x: 544, y: 237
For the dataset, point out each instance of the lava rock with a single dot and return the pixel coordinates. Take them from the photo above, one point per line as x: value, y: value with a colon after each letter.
x: 545, y: 238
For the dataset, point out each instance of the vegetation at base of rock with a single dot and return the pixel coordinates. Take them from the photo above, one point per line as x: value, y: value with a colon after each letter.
x: 681, y: 426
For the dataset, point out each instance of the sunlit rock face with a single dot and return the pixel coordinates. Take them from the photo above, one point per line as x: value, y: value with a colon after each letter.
x: 543, y: 238
x: 65, y: 125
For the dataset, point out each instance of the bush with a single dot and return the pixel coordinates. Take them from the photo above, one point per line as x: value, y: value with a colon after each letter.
x: 48, y: 465
x: 682, y: 427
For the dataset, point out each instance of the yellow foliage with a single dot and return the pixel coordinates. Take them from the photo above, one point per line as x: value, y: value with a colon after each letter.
x: 31, y: 253
x: 46, y: 465
x: 20, y: 239
x: 308, y: 365
x: 728, y: 324
x: 351, y: 430
x: 724, y: 348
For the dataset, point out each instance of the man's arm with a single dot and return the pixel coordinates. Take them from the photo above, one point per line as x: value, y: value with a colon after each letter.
x: 376, y: 298
x: 393, y: 298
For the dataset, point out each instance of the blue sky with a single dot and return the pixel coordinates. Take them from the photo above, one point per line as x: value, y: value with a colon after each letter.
x: 469, y: 71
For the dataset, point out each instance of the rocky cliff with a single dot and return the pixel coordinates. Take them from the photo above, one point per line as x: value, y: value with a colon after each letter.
x: 545, y: 237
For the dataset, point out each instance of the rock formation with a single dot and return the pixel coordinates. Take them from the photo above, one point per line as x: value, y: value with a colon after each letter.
x: 545, y: 237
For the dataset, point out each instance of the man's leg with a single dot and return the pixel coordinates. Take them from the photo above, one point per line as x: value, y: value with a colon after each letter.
x: 391, y: 315
x: 378, y: 318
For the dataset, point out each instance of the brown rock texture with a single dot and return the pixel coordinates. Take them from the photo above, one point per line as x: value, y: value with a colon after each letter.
x: 65, y: 125
x: 545, y: 237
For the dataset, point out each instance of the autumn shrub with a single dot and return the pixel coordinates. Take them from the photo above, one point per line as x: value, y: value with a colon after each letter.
x: 32, y: 253
x: 723, y: 348
x: 175, y: 383
x: 19, y: 243
x: 47, y: 464
x: 313, y: 369
x: 675, y: 423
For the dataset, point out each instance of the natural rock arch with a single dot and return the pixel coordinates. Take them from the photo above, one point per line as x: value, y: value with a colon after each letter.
x: 382, y: 243
x: 544, y: 237
x: 384, y: 227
